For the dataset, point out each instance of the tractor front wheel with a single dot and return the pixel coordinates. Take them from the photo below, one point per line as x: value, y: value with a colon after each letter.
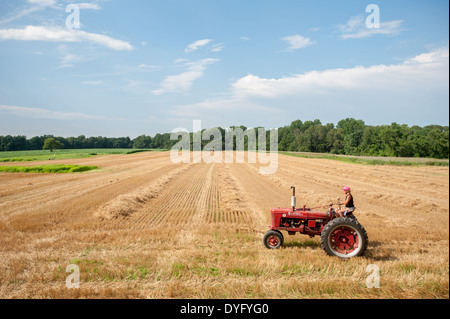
x: 344, y: 237
x: 273, y: 239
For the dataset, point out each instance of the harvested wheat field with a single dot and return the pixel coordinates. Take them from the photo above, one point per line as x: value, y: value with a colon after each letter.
x: 143, y: 227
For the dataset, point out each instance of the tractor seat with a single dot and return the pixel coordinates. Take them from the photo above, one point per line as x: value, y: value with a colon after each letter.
x: 349, y: 210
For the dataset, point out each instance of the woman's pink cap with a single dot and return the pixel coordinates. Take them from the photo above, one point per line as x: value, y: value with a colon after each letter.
x: 346, y: 188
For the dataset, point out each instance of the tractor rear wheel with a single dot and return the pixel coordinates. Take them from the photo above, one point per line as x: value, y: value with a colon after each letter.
x: 344, y: 237
x: 273, y: 239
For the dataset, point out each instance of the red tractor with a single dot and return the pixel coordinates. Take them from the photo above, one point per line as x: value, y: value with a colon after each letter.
x: 343, y: 237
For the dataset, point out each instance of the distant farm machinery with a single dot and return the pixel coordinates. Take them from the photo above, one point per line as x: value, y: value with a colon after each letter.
x: 343, y: 237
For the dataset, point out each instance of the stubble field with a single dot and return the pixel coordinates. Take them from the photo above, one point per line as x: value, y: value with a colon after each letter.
x: 143, y: 227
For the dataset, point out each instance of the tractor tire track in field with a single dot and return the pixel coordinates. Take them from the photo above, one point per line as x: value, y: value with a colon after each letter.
x: 260, y: 194
x: 200, y: 195
x: 176, y: 203
x: 126, y: 204
x: 233, y: 207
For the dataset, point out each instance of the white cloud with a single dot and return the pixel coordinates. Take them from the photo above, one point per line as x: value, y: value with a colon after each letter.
x: 431, y: 58
x: 46, y: 114
x: 53, y: 34
x: 149, y: 67
x: 69, y: 59
x: 43, y: 2
x: 196, y: 45
x: 415, y: 86
x: 183, y: 82
x: 37, y: 5
x: 89, y: 6
x: 356, y: 28
x: 217, y: 47
x: 296, y: 42
x: 180, y: 60
x: 220, y: 107
x: 424, y: 69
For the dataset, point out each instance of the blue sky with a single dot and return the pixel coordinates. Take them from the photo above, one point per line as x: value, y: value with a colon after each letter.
x: 147, y: 67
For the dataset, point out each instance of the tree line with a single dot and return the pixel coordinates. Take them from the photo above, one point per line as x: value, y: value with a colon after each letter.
x: 348, y: 137
x: 21, y: 143
x: 354, y: 137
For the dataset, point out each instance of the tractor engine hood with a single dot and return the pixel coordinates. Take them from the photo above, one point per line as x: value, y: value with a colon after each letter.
x: 300, y: 213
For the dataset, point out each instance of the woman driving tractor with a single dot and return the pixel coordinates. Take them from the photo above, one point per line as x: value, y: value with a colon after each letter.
x: 349, y: 204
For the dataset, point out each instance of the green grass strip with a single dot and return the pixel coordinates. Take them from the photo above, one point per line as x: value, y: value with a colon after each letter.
x: 47, y: 169
x: 41, y: 155
x: 373, y: 161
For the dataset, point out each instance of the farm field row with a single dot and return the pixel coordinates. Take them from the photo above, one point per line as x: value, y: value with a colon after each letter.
x: 143, y: 227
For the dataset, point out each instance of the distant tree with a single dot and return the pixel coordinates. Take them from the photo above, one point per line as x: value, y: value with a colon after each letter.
x: 52, y: 144
x: 314, y: 138
x: 371, y: 143
x: 438, y: 141
x: 297, y: 124
x: 157, y: 141
x: 142, y: 141
x: 36, y: 143
x: 353, y: 133
x: 285, y: 137
x: 335, y: 141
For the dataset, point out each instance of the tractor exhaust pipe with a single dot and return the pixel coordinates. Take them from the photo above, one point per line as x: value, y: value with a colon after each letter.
x: 293, y: 199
